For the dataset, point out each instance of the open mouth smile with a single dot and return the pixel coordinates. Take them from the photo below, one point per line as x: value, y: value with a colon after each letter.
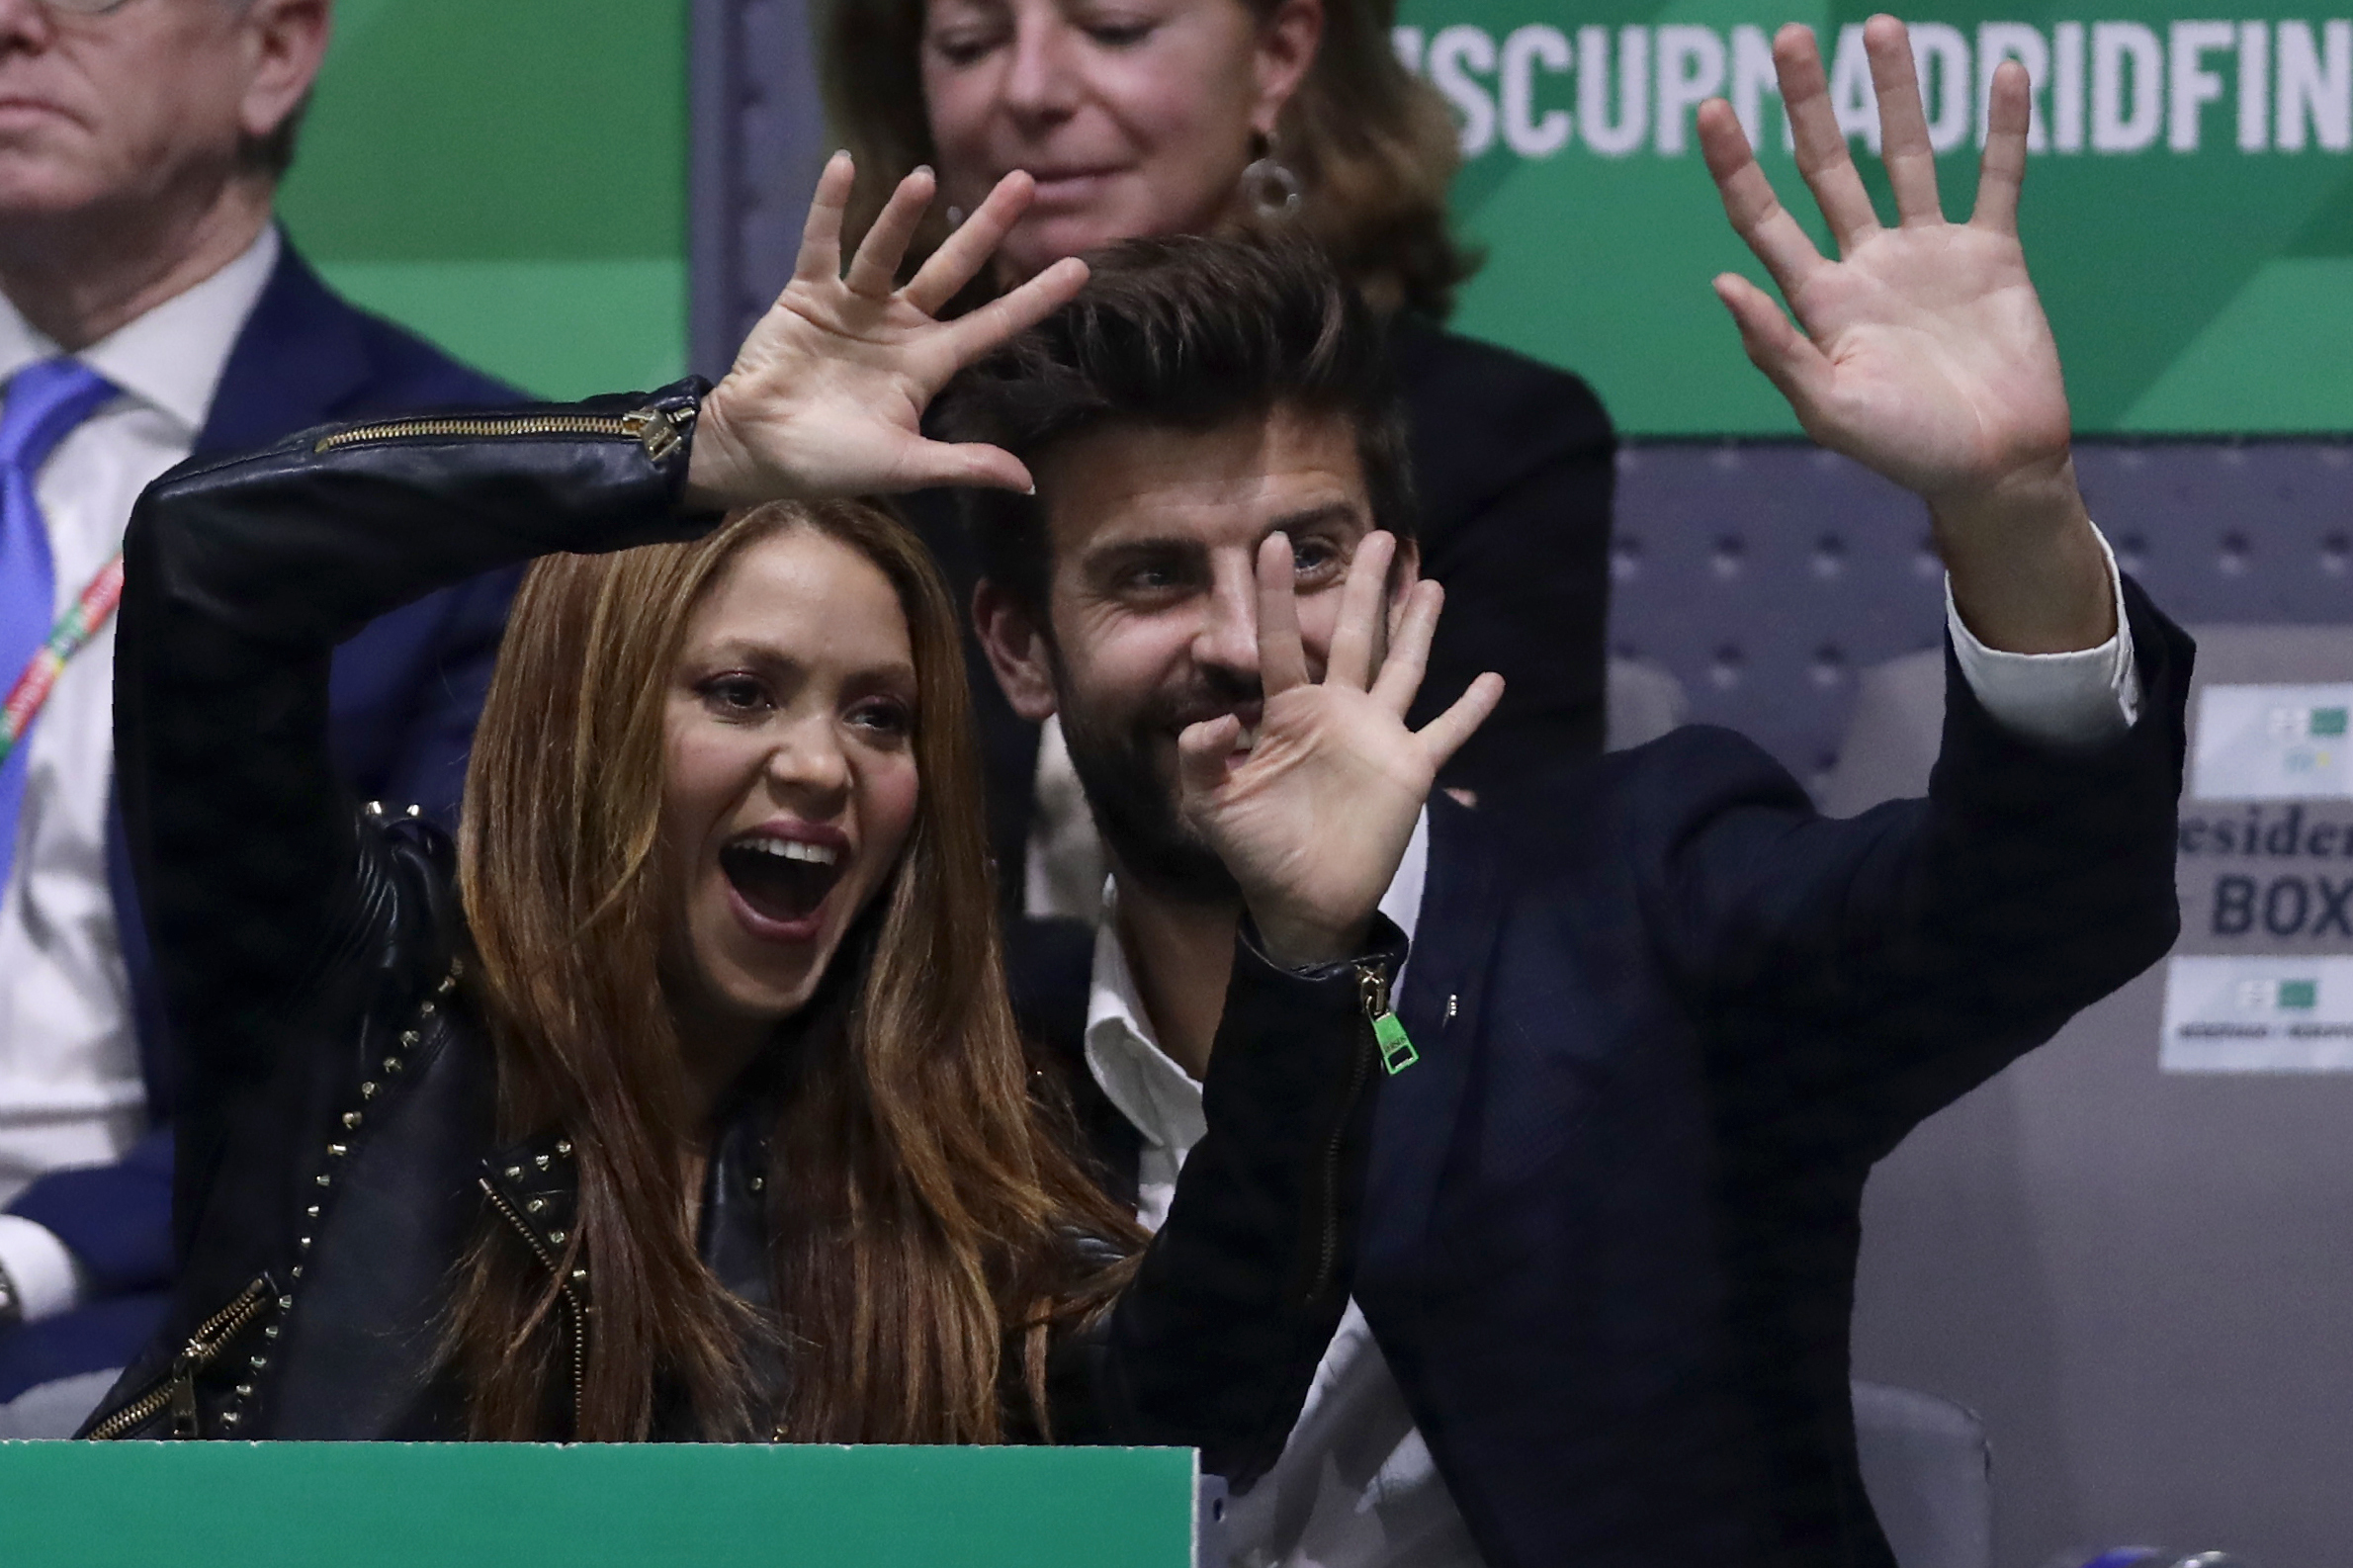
x: 782, y: 883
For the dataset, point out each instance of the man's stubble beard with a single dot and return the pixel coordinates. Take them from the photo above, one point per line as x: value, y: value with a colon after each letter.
x: 1135, y: 806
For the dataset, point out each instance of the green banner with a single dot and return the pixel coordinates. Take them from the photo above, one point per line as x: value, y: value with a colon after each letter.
x: 508, y: 179
x: 380, y: 1504
x: 2188, y: 213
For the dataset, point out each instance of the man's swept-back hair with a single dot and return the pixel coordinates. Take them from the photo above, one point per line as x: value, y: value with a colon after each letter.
x: 1191, y: 333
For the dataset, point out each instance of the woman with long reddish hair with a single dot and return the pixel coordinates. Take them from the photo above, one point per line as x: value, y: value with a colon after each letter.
x: 683, y: 1099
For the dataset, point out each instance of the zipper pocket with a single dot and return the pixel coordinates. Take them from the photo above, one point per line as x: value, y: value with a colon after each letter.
x: 658, y: 429
x: 177, y: 1392
x: 1372, y: 990
x: 571, y: 1299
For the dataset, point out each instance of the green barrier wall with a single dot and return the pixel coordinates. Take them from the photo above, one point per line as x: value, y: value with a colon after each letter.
x: 220, y: 1505
x: 508, y: 179
x: 2188, y: 210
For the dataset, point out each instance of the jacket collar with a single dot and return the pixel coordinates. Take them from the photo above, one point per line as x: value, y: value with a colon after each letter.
x: 170, y: 358
x: 535, y: 1185
x: 301, y: 357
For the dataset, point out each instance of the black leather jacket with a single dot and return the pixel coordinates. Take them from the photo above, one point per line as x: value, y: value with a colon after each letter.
x: 336, y: 1136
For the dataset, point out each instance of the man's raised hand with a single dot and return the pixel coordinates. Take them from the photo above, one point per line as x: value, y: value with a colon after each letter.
x: 1314, y: 817
x: 827, y: 396
x: 1922, y: 351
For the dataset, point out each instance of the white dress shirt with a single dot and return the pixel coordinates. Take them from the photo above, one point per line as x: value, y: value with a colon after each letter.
x: 1356, y: 1486
x: 70, y: 1086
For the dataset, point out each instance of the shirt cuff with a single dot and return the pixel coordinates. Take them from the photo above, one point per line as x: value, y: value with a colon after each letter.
x: 47, y: 1277
x: 2073, y: 700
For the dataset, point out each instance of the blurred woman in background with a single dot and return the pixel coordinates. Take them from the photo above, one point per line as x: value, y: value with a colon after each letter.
x: 1162, y: 116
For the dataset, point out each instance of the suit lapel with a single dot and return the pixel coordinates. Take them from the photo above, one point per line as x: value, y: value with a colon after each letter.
x: 299, y: 357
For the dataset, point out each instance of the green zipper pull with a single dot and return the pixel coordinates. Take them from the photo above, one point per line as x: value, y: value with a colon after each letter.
x: 1388, y: 1031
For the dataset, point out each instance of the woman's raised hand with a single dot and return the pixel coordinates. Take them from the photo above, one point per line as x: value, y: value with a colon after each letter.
x: 827, y: 396
x: 1313, y: 818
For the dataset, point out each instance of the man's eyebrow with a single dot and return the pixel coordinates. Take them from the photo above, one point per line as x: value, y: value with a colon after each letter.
x: 1174, y: 544
x: 1140, y: 544
x: 1309, y: 517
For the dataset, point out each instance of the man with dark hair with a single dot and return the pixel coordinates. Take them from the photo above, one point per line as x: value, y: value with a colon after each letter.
x: 1659, y: 1017
x: 1196, y: 331
x: 149, y: 309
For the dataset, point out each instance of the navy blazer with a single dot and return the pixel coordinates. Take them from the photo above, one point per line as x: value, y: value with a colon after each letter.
x: 1669, y: 1017
x: 404, y: 697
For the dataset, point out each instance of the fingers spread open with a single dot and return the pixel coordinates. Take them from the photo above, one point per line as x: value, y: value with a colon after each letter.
x: 1771, y: 230
x: 819, y: 260
x: 967, y: 250
x: 874, y: 270
x: 1786, y: 355
x: 2002, y: 170
x: 1282, y: 660
x: 1360, y: 604
x: 1409, y: 647
x: 970, y: 336
x: 1444, y: 735
x: 1821, y: 146
x: 1903, y: 123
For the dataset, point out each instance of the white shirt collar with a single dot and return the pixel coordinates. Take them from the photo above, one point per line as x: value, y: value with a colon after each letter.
x: 1160, y: 1098
x: 170, y: 359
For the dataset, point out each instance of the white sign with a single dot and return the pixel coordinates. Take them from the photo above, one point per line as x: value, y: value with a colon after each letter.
x: 2266, y: 1015
x: 2253, y: 86
x: 2274, y: 743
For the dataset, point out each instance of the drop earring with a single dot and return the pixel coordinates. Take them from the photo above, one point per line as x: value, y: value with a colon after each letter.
x: 1269, y: 185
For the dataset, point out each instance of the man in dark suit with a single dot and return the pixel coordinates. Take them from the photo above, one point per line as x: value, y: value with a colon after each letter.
x: 149, y: 311
x: 1659, y: 1017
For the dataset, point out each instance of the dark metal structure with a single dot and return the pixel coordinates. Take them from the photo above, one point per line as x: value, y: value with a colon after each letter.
x: 759, y: 140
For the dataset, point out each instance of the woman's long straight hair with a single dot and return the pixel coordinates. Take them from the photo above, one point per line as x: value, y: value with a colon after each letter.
x: 923, y: 1210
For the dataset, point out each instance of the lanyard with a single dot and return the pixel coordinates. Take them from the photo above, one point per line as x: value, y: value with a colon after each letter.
x: 74, y: 628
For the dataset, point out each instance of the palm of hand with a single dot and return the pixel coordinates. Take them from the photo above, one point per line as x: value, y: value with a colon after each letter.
x: 827, y: 396
x: 1328, y: 759
x: 1314, y: 818
x: 843, y: 379
x: 1924, y: 353
x: 1942, y: 371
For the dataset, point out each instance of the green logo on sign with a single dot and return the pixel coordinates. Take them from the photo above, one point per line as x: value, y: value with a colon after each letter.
x: 2299, y: 994
x: 2328, y: 721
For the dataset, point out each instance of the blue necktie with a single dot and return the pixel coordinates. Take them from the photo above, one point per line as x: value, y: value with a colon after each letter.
x: 42, y: 403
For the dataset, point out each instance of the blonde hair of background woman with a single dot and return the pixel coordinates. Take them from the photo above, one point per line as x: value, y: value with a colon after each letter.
x: 1374, y: 146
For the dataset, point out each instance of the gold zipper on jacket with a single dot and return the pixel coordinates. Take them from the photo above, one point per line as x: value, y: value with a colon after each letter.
x: 572, y: 1300
x: 178, y: 1391
x: 658, y: 430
